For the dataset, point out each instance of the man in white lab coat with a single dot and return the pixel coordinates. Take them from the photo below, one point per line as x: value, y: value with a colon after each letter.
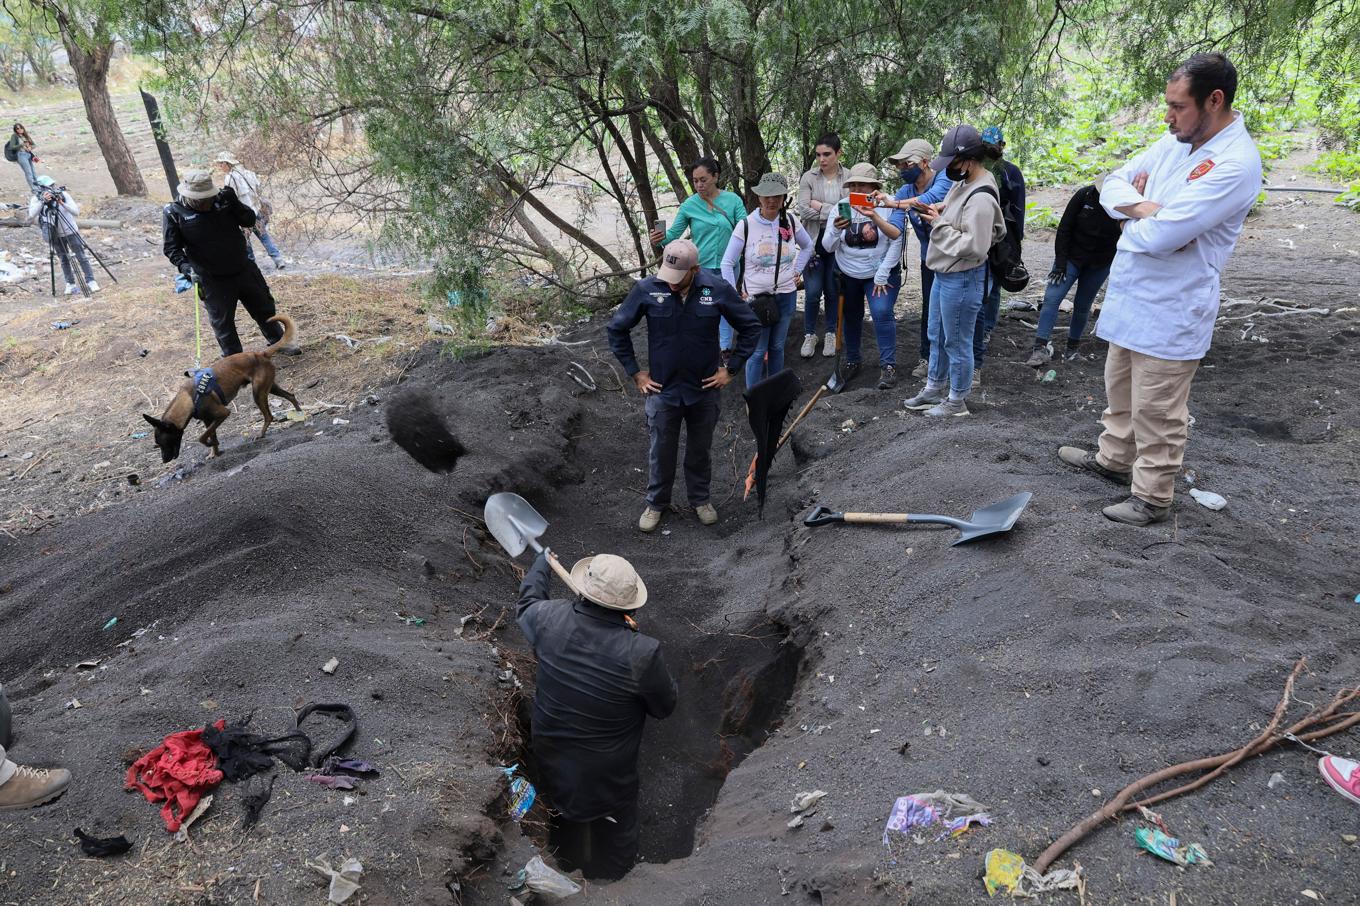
x: 1181, y: 204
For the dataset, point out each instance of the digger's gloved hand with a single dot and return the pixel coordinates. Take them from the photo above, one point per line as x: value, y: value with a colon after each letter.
x: 182, y: 283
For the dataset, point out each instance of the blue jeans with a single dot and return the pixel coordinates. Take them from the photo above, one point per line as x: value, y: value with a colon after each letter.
x: 772, y: 341
x: 1088, y: 280
x: 986, y: 318
x: 819, y: 285
x: 855, y: 290
x: 955, y: 305
x: 266, y: 240
x: 927, y: 280
x: 26, y: 164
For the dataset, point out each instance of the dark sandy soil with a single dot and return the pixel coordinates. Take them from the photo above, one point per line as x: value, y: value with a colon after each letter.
x: 1038, y: 673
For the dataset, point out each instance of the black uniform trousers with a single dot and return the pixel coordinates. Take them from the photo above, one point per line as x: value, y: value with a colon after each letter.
x: 603, y: 849
x: 220, y: 295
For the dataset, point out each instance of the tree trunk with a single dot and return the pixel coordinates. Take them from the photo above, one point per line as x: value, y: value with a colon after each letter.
x: 92, y: 75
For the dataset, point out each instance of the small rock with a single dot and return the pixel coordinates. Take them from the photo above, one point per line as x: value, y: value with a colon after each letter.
x: 1349, y: 838
x: 330, y: 666
x: 1095, y: 793
x: 1276, y: 779
x: 1043, y: 762
x: 1208, y: 499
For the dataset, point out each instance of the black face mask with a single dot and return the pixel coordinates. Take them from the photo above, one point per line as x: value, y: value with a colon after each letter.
x: 954, y: 174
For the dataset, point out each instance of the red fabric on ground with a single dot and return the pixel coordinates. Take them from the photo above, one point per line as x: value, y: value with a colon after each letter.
x: 177, y: 772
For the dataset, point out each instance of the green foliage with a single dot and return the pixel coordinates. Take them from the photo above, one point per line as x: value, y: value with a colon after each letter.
x: 1040, y: 217
x: 1351, y: 197
x: 1342, y: 165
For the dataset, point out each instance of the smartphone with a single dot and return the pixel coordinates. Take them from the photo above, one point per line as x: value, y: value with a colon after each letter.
x: 659, y: 226
x: 843, y: 210
x: 861, y: 200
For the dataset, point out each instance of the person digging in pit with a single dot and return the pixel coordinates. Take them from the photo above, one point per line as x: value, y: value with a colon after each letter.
x: 684, y: 375
x: 598, y: 681
x: 203, y: 240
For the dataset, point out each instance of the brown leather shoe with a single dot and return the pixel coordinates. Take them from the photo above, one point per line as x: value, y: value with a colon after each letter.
x: 1136, y: 511
x: 31, y: 787
x: 1085, y: 459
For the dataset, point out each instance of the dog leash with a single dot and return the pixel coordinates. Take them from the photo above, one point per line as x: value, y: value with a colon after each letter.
x: 198, y: 329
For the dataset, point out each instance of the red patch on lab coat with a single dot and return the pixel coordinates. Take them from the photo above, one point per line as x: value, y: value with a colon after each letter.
x: 1200, y: 170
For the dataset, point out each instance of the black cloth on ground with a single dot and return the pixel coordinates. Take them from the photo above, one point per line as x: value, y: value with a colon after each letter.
x: 102, y: 847
x: 241, y: 754
x: 257, y: 793
x: 341, y: 712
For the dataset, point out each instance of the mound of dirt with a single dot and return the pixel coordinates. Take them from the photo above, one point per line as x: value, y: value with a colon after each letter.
x: 1038, y: 672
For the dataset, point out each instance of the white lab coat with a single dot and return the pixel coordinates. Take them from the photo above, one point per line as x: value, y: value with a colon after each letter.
x: 1162, y: 297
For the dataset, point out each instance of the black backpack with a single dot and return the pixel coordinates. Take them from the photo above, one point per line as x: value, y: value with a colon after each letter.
x: 1004, y: 264
x: 12, y: 150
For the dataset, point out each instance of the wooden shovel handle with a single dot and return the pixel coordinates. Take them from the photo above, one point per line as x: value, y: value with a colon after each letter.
x: 821, y: 391
x: 561, y: 570
x: 878, y: 518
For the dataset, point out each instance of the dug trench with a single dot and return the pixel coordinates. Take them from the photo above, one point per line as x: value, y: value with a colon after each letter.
x: 1038, y: 672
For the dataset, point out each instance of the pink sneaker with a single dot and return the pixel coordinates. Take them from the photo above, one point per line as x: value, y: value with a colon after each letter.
x: 1342, y: 774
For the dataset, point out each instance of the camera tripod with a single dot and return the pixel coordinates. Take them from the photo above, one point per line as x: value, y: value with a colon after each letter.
x: 53, y: 219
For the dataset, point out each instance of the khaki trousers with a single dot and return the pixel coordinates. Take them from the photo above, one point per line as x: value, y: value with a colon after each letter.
x: 1146, y: 421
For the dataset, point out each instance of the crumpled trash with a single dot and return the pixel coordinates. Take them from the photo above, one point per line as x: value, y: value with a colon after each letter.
x: 539, y: 878
x: 65, y: 325
x: 347, y: 340
x: 344, y: 881
x: 331, y: 781
x: 927, y: 809
x: 102, y: 847
x: 1208, y: 499
x: 522, y: 793
x: 1170, y: 848
x: 1049, y: 376
x: 1005, y: 870
x: 1019, y: 305
x: 803, y: 806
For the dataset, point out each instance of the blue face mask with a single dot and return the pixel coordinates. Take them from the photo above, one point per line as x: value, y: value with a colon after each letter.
x: 911, y: 174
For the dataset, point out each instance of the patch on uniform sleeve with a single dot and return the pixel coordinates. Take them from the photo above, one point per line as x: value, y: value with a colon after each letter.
x: 1200, y: 170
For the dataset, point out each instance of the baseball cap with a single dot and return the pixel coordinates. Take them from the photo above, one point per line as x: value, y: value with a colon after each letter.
x: 961, y: 139
x: 677, y: 259
x: 914, y: 149
x: 992, y: 136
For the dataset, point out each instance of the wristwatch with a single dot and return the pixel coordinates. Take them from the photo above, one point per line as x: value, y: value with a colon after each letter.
x: 733, y: 370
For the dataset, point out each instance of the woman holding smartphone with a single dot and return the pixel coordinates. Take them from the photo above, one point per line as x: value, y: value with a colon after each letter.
x: 710, y: 215
x: 868, y: 250
x: 819, y: 190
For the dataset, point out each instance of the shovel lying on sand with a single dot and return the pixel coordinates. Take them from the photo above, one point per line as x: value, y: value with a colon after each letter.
x: 516, y: 525
x: 996, y: 519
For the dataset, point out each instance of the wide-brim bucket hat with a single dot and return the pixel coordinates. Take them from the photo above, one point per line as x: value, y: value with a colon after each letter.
x: 864, y: 173
x: 197, y: 184
x: 609, y: 581
x: 226, y: 158
x: 772, y: 185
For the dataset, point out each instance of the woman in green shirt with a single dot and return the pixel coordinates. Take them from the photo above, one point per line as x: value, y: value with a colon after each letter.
x: 710, y: 215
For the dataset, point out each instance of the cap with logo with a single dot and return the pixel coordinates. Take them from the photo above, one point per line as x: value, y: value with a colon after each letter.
x: 962, y: 139
x: 677, y: 259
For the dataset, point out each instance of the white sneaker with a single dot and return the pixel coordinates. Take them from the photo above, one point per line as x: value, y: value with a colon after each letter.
x: 94, y: 286
x: 809, y: 345
x: 72, y: 289
x: 829, y: 345
x: 977, y: 379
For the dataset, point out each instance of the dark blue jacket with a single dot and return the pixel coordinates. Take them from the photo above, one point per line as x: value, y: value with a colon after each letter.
x: 682, y: 334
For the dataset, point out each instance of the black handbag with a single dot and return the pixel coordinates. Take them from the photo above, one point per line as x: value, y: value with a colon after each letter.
x: 765, y: 305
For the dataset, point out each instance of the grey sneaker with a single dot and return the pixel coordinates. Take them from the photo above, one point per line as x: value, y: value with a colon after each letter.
x: 1136, y: 511
x: 925, y: 399
x: 1040, y: 356
x: 977, y: 378
x: 31, y: 787
x: 1073, y: 354
x: 921, y: 368
x: 887, y: 377
x: 809, y: 345
x: 649, y: 519
x: 707, y: 514
x: 1085, y: 459
x: 829, y: 345
x: 948, y: 407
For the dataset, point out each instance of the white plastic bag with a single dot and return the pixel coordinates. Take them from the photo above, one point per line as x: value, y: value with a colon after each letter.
x: 542, y: 879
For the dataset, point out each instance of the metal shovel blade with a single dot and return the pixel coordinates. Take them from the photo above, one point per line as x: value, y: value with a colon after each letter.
x: 514, y: 523
x: 993, y: 520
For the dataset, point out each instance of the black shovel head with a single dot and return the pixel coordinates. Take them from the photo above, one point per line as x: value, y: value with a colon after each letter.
x: 418, y: 428
x: 993, y: 520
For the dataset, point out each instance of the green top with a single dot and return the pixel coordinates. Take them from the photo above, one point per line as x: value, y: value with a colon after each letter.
x: 710, y: 226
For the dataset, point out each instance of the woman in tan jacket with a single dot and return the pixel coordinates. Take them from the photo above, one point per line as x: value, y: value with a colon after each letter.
x: 963, y: 229
x: 819, y: 190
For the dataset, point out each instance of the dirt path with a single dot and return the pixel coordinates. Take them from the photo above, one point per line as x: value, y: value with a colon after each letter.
x: 1071, y: 656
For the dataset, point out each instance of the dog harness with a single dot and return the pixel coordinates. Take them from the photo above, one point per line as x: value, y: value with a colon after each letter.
x: 205, y: 382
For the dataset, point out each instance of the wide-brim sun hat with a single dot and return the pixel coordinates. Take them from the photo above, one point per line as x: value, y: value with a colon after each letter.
x: 197, y: 184
x: 225, y: 158
x: 913, y: 149
x: 864, y: 173
x: 962, y: 139
x: 610, y: 581
x: 772, y: 185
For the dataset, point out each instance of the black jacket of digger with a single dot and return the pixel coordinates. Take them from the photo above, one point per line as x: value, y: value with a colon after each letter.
x: 210, y: 242
x: 598, y: 681
x: 682, y: 334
